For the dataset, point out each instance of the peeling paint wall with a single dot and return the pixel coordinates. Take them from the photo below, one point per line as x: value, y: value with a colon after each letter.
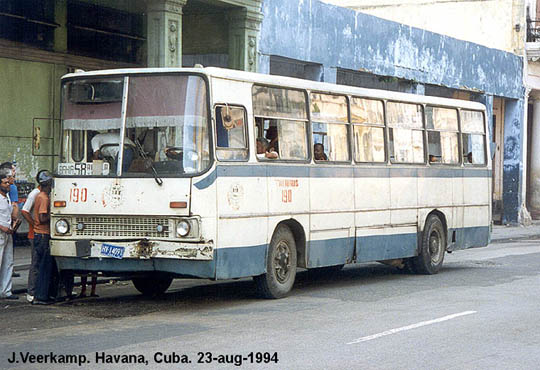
x: 316, y: 32
x: 486, y: 22
x: 513, y: 160
x: 30, y: 90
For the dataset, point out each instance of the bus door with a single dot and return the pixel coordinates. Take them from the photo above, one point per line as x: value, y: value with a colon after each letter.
x: 241, y: 198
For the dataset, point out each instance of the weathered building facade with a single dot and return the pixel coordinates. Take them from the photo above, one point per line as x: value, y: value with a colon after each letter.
x: 496, y: 24
x: 307, y: 39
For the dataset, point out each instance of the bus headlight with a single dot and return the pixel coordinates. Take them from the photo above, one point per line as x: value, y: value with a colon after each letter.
x: 182, y: 228
x: 61, y: 226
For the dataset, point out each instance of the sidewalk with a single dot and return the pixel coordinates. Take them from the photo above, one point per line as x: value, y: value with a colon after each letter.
x: 500, y: 234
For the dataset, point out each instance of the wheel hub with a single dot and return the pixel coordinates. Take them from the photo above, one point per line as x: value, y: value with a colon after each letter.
x: 282, y: 262
x: 435, y: 247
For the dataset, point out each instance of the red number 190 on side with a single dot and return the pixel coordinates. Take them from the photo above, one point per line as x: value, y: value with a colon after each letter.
x: 77, y: 195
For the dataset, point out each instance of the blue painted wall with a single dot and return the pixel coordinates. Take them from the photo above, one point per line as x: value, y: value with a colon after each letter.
x: 316, y: 32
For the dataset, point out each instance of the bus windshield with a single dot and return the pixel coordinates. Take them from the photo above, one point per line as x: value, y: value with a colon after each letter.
x: 164, y: 120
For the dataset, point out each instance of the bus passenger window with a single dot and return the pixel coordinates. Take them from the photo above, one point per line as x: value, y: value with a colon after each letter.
x: 368, y: 119
x: 442, y: 132
x: 281, y: 118
x: 406, y: 132
x: 231, y: 133
x: 330, y: 127
x: 473, y: 137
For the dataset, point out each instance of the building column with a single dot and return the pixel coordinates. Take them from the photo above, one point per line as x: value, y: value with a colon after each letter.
x: 513, y: 161
x: 244, y: 26
x: 534, y: 174
x: 60, y: 33
x: 164, y: 33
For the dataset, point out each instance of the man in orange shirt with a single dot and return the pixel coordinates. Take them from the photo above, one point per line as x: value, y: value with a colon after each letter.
x: 41, y: 216
x: 26, y: 212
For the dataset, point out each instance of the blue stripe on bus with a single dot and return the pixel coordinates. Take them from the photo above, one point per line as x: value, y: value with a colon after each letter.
x: 468, y: 237
x: 240, y: 262
x: 230, y: 263
x: 303, y: 171
x: 330, y: 252
x: 385, y: 247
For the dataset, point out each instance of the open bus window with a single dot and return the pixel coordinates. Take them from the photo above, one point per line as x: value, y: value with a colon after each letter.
x: 334, y: 141
x: 281, y: 117
x: 442, y: 126
x: 473, y: 137
x: 231, y: 133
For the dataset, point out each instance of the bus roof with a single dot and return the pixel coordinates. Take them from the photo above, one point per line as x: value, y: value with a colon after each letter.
x: 290, y: 82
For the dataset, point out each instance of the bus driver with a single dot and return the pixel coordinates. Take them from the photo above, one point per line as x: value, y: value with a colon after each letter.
x: 106, y: 145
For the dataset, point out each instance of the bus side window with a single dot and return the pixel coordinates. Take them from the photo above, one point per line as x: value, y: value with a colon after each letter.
x: 282, y: 115
x: 330, y: 127
x: 367, y: 116
x: 231, y: 133
x: 473, y: 137
x: 405, y: 125
x: 442, y: 133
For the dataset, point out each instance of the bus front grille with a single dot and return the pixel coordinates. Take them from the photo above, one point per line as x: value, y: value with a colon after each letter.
x: 122, y: 226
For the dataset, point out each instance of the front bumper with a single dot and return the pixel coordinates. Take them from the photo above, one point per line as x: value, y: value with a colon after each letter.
x: 141, y: 249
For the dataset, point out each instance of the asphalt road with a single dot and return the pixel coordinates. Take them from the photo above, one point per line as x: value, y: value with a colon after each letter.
x: 481, y: 311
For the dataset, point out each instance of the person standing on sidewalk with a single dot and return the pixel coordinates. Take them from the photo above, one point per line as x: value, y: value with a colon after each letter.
x: 44, y: 261
x: 26, y: 212
x: 13, y: 192
x: 6, y: 242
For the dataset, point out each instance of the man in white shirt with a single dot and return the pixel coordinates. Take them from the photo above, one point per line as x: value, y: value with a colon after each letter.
x: 107, y: 144
x: 6, y: 240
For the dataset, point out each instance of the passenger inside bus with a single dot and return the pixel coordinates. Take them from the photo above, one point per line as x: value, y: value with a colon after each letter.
x: 272, y: 137
x: 318, y: 152
x: 263, y: 151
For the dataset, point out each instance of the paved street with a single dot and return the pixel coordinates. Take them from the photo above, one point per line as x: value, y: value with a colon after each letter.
x: 479, y: 312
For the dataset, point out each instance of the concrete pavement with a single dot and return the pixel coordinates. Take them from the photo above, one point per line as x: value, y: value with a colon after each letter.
x: 500, y: 234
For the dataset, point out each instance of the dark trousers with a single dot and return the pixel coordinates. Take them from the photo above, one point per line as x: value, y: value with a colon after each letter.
x: 33, y: 273
x: 45, y: 264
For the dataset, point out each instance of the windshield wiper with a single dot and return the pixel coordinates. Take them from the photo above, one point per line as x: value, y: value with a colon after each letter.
x: 158, y: 179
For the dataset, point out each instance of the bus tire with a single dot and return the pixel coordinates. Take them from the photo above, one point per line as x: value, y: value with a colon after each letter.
x: 152, y: 285
x: 280, y: 273
x: 431, y: 256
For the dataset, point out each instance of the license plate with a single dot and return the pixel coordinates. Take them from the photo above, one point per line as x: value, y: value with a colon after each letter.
x: 113, y: 251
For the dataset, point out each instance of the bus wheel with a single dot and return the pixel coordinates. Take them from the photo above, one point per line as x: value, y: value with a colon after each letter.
x: 430, y: 259
x: 152, y: 285
x: 280, y: 265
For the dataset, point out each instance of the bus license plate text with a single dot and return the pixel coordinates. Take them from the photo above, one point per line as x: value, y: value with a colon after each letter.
x: 113, y: 251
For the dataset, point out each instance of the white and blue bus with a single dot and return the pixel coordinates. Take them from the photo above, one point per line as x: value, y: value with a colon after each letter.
x: 355, y: 175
